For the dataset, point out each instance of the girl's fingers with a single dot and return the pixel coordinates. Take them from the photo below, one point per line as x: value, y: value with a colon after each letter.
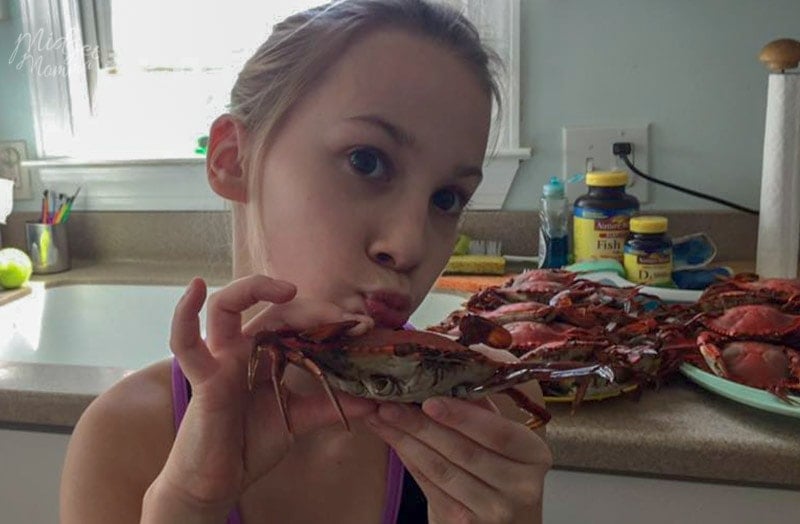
x: 488, y: 429
x: 443, y: 506
x: 438, y: 471
x: 494, y: 469
x: 225, y: 307
x: 185, y: 341
x: 483, y: 481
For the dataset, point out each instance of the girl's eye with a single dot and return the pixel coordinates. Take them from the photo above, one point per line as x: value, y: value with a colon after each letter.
x: 368, y: 162
x: 449, y: 200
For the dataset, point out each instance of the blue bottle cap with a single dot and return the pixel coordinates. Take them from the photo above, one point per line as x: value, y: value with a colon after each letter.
x: 554, y: 188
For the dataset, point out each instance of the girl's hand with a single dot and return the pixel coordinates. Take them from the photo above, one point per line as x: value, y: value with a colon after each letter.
x: 230, y: 437
x: 474, y: 465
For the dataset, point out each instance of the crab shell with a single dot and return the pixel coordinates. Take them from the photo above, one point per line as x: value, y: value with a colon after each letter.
x: 519, y: 311
x: 494, y: 297
x: 539, y: 275
x: 776, y: 287
x: 411, y: 366
x: 746, y: 288
x: 554, y: 341
x: 756, y: 322
x: 757, y: 364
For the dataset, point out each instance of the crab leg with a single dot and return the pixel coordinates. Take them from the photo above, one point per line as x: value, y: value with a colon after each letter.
x: 277, y: 370
x: 297, y: 358
x: 583, y: 387
x: 539, y: 415
x: 278, y: 359
x: 492, y: 405
x: 252, y: 365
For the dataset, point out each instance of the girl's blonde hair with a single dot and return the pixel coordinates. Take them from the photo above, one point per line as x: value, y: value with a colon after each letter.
x: 299, y: 51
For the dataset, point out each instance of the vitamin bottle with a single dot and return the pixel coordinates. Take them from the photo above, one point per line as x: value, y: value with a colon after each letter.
x: 553, y: 219
x: 601, y: 216
x: 648, y: 252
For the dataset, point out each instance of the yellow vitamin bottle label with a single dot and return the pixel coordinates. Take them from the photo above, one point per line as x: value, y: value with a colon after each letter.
x: 653, y: 269
x: 600, y: 233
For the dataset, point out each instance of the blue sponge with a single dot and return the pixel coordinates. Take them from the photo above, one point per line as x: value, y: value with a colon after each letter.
x: 699, y: 278
x: 597, y: 266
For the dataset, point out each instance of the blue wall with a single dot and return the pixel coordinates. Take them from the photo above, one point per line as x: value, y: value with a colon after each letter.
x: 688, y: 67
x: 15, y: 107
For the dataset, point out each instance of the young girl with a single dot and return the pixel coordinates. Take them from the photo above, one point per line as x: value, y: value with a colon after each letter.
x: 355, y: 138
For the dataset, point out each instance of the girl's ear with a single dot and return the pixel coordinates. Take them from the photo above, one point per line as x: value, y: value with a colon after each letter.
x: 225, y: 144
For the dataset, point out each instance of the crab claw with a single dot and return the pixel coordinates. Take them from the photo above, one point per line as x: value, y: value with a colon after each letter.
x: 712, y: 354
x: 477, y: 330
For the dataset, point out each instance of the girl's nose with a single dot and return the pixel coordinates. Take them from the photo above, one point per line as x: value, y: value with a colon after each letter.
x: 400, y: 239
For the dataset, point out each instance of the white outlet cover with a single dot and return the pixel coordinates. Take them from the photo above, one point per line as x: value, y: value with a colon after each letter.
x: 592, y: 145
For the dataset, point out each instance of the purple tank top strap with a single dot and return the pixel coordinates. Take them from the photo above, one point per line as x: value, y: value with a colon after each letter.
x: 394, y: 478
x: 180, y: 401
x: 180, y: 393
x: 394, y: 488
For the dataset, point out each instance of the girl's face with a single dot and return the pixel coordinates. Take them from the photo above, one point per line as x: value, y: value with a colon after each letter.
x: 366, y: 178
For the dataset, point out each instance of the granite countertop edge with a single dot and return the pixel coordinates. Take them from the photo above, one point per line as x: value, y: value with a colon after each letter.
x: 680, y: 432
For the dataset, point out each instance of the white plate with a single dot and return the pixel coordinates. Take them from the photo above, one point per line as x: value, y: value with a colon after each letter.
x: 665, y: 294
x: 753, y: 397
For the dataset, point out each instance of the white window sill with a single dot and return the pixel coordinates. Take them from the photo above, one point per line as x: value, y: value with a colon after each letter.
x: 164, y: 184
x: 113, y: 162
x: 68, y: 162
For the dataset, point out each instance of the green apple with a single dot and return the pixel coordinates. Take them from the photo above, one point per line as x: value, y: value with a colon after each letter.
x: 15, y: 268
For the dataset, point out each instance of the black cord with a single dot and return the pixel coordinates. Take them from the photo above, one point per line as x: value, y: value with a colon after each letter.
x: 692, y: 192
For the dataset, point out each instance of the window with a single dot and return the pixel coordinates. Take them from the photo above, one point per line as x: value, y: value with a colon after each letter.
x: 142, y: 80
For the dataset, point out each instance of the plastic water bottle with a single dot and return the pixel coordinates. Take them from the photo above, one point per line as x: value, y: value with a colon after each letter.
x: 553, y: 215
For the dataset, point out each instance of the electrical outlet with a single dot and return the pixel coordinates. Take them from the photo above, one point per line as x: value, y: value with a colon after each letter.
x: 11, y: 154
x: 589, y: 148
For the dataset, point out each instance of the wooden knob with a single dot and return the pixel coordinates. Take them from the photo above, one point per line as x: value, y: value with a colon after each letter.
x: 780, y: 55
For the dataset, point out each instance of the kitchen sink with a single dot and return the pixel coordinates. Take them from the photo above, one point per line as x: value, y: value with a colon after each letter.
x: 123, y: 326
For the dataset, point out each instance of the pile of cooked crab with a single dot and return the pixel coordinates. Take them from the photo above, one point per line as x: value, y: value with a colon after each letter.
x: 577, y: 337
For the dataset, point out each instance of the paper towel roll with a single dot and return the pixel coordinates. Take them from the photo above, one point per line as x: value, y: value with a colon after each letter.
x: 779, y: 212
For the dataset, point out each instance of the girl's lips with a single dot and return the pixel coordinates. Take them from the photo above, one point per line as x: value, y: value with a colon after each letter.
x: 387, y: 308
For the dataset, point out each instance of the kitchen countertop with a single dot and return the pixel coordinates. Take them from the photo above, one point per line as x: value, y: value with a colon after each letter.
x: 681, y: 431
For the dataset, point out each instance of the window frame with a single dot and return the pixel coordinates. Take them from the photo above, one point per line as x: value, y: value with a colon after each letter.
x: 60, y: 105
x: 43, y: 22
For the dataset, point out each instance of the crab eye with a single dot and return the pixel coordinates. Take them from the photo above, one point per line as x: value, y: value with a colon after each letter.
x: 383, y: 386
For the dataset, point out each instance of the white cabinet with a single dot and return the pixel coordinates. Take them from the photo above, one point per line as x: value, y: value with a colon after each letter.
x: 30, y: 473
x: 572, y: 497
